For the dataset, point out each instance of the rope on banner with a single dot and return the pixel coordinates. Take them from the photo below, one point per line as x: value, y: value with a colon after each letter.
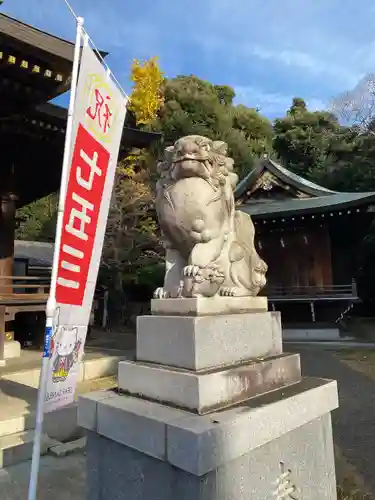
x: 96, y: 50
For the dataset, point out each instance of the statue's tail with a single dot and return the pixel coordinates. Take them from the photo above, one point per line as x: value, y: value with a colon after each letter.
x: 245, y: 234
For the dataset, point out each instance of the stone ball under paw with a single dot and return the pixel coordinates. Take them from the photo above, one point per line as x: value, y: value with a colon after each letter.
x: 198, y: 225
x: 206, y: 236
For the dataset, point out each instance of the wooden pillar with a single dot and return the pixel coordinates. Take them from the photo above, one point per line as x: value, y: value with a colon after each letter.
x: 2, y: 335
x: 7, y: 228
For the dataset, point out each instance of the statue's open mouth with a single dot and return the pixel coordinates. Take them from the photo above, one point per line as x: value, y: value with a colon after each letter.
x: 190, y: 158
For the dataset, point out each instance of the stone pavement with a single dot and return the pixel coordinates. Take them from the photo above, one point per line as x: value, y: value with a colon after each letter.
x: 328, y: 344
x: 354, y: 432
x: 59, y: 479
x: 354, y: 421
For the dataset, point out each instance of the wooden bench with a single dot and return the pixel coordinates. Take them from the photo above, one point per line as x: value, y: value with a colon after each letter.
x: 20, y: 294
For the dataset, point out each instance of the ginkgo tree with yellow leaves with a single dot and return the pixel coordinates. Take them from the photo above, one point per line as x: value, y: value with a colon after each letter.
x: 146, y: 98
x: 132, y: 242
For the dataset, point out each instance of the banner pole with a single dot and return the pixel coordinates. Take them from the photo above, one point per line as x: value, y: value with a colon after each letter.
x: 51, y: 303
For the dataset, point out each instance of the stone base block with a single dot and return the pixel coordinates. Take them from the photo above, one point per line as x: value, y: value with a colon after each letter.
x: 12, y: 349
x: 198, y: 343
x: 205, y: 391
x: 208, y: 306
x: 275, y: 446
x: 290, y: 334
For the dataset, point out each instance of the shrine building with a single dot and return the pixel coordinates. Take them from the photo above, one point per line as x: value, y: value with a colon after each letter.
x: 309, y: 236
x: 35, y: 67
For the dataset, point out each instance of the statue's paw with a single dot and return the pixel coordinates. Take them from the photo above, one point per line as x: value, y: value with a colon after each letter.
x: 191, y: 271
x: 227, y: 292
x: 161, y: 293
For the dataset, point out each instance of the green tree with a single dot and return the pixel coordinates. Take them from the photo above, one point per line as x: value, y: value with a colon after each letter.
x: 351, y: 163
x: 298, y: 106
x: 303, y: 139
x: 195, y: 106
x: 37, y: 220
x: 225, y: 93
x: 131, y: 241
x: 316, y: 146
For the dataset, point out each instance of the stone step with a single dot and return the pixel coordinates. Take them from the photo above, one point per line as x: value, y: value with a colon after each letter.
x: 94, y: 365
x: 311, y: 333
x: 18, y: 447
x: 60, y: 424
x: 18, y: 397
x: 15, y: 424
x: 12, y: 349
x: 18, y: 403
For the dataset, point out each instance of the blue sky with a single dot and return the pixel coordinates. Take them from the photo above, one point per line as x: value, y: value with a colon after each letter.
x: 269, y: 50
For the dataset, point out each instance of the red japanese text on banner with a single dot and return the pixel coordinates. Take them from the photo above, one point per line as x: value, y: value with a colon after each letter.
x: 83, y: 200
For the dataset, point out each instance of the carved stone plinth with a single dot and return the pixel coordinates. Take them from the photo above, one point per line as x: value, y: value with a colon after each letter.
x: 274, y: 446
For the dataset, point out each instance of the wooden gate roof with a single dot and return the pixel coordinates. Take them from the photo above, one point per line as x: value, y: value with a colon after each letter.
x: 39, y: 42
x: 35, y: 67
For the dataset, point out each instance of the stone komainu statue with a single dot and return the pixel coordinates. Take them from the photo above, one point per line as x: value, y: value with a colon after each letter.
x: 209, y: 245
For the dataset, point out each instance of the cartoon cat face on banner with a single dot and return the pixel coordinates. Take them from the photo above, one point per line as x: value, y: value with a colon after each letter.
x: 65, y: 348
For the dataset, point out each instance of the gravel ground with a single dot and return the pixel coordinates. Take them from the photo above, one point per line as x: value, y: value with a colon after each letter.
x: 354, y: 421
x: 59, y: 479
x: 360, y: 360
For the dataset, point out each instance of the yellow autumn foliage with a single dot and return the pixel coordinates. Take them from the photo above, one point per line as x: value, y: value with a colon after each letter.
x: 146, y: 98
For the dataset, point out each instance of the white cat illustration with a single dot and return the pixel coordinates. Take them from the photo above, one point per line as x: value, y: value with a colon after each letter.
x: 65, y: 352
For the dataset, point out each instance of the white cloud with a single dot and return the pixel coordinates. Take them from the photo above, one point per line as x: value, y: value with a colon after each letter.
x: 271, y: 104
x: 331, y: 40
x: 288, y: 57
x: 327, y: 68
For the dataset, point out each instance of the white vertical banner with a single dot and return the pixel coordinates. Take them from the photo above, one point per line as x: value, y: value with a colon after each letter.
x: 98, y: 121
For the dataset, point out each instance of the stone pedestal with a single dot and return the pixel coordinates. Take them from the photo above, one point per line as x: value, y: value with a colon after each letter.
x: 212, y: 409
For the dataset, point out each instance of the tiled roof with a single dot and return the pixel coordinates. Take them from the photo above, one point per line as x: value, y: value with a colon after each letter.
x: 38, y: 253
x: 318, y: 204
x: 298, y: 180
x: 285, y: 175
